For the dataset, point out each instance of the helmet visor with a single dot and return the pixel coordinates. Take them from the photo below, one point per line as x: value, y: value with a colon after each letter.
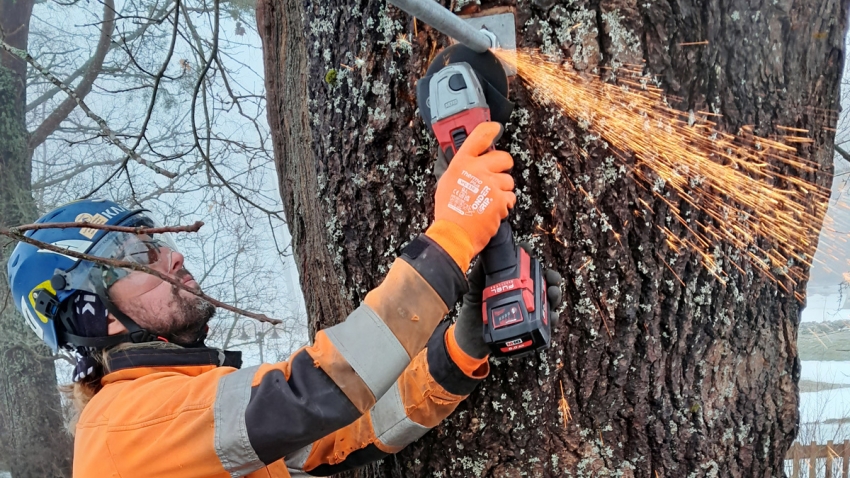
x: 146, y: 249
x: 139, y: 249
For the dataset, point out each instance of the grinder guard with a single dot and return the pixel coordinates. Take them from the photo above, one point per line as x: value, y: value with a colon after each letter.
x: 491, y: 75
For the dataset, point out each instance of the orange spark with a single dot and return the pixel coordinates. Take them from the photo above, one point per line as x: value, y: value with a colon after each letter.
x: 741, y: 182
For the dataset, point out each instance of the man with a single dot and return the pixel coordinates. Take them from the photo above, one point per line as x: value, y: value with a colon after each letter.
x: 162, y: 404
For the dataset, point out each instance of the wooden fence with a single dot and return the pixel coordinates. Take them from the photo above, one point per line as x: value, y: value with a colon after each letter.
x: 808, y: 456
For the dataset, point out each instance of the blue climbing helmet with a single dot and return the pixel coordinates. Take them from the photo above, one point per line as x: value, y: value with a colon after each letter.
x: 42, y: 281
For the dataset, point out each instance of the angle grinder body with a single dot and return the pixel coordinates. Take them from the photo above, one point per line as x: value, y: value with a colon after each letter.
x: 462, y: 89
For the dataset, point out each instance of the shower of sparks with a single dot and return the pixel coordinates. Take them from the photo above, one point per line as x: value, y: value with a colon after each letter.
x: 739, y: 181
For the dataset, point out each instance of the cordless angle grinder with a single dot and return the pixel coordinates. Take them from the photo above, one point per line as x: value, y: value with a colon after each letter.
x: 461, y: 89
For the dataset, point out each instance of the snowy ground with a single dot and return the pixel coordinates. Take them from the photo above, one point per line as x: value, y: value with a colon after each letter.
x: 823, y: 307
x: 818, y: 409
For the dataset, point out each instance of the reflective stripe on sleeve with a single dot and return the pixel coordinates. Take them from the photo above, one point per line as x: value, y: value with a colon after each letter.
x: 371, y: 348
x: 392, y: 426
x: 297, y: 458
x: 231, y: 433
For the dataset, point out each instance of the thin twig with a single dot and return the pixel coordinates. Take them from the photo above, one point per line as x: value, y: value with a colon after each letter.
x: 106, y: 227
x: 136, y: 267
x: 198, y: 84
x: 159, y: 75
x: 109, y: 134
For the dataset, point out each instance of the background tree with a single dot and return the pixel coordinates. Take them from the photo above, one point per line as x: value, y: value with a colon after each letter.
x: 174, y: 83
x: 29, y: 405
x: 664, y: 378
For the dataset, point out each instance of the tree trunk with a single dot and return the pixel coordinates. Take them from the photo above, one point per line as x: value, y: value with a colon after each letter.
x: 33, y: 438
x: 677, y: 379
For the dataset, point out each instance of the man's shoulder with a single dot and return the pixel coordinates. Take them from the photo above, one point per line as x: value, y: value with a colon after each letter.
x: 156, y: 395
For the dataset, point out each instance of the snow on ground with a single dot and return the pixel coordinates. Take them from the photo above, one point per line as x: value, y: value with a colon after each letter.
x: 822, y: 308
x: 816, y: 408
x: 828, y: 372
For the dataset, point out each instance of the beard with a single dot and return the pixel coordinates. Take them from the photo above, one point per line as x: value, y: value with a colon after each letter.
x: 187, y: 325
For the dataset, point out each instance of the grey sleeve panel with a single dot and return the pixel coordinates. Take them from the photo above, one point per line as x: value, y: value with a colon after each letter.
x: 371, y: 348
x: 231, y: 431
x: 297, y: 458
x: 390, y: 421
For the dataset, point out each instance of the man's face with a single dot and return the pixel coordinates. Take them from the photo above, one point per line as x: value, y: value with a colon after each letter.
x: 156, y: 305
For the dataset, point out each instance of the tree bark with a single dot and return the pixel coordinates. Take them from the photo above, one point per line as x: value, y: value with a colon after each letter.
x: 34, y: 441
x: 663, y: 378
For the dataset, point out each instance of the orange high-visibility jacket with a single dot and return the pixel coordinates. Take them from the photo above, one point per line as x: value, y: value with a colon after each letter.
x: 366, y: 388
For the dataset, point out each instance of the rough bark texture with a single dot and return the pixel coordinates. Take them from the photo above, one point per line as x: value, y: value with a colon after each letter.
x: 33, y: 439
x: 685, y: 380
x: 284, y: 50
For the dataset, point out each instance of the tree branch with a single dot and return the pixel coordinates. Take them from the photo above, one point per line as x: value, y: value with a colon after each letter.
x: 49, y: 125
x: 109, y: 134
x: 41, y: 184
x: 132, y: 266
x: 106, y: 227
x: 159, y: 75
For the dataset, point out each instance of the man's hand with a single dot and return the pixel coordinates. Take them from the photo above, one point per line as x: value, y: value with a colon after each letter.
x: 469, y: 330
x: 474, y: 194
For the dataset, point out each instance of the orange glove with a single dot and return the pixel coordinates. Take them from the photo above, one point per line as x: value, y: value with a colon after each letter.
x: 473, y: 196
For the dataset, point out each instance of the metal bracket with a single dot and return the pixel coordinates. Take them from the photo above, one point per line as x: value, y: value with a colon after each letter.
x: 501, y: 23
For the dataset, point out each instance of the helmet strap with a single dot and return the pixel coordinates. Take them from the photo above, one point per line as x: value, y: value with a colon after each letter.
x: 135, y: 334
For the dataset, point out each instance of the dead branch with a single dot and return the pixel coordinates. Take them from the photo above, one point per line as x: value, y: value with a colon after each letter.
x: 49, y: 125
x: 109, y: 134
x: 136, y: 267
x: 133, y: 230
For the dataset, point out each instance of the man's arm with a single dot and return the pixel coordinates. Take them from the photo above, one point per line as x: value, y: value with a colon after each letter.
x: 446, y: 372
x: 430, y: 389
x: 264, y: 413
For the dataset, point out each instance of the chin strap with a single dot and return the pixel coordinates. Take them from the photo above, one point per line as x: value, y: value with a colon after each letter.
x: 135, y: 333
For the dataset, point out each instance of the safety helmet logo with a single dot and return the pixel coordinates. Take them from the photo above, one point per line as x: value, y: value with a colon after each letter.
x: 92, y: 219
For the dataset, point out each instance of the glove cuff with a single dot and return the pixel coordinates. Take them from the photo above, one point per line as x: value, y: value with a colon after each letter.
x: 472, y: 367
x: 454, y: 240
